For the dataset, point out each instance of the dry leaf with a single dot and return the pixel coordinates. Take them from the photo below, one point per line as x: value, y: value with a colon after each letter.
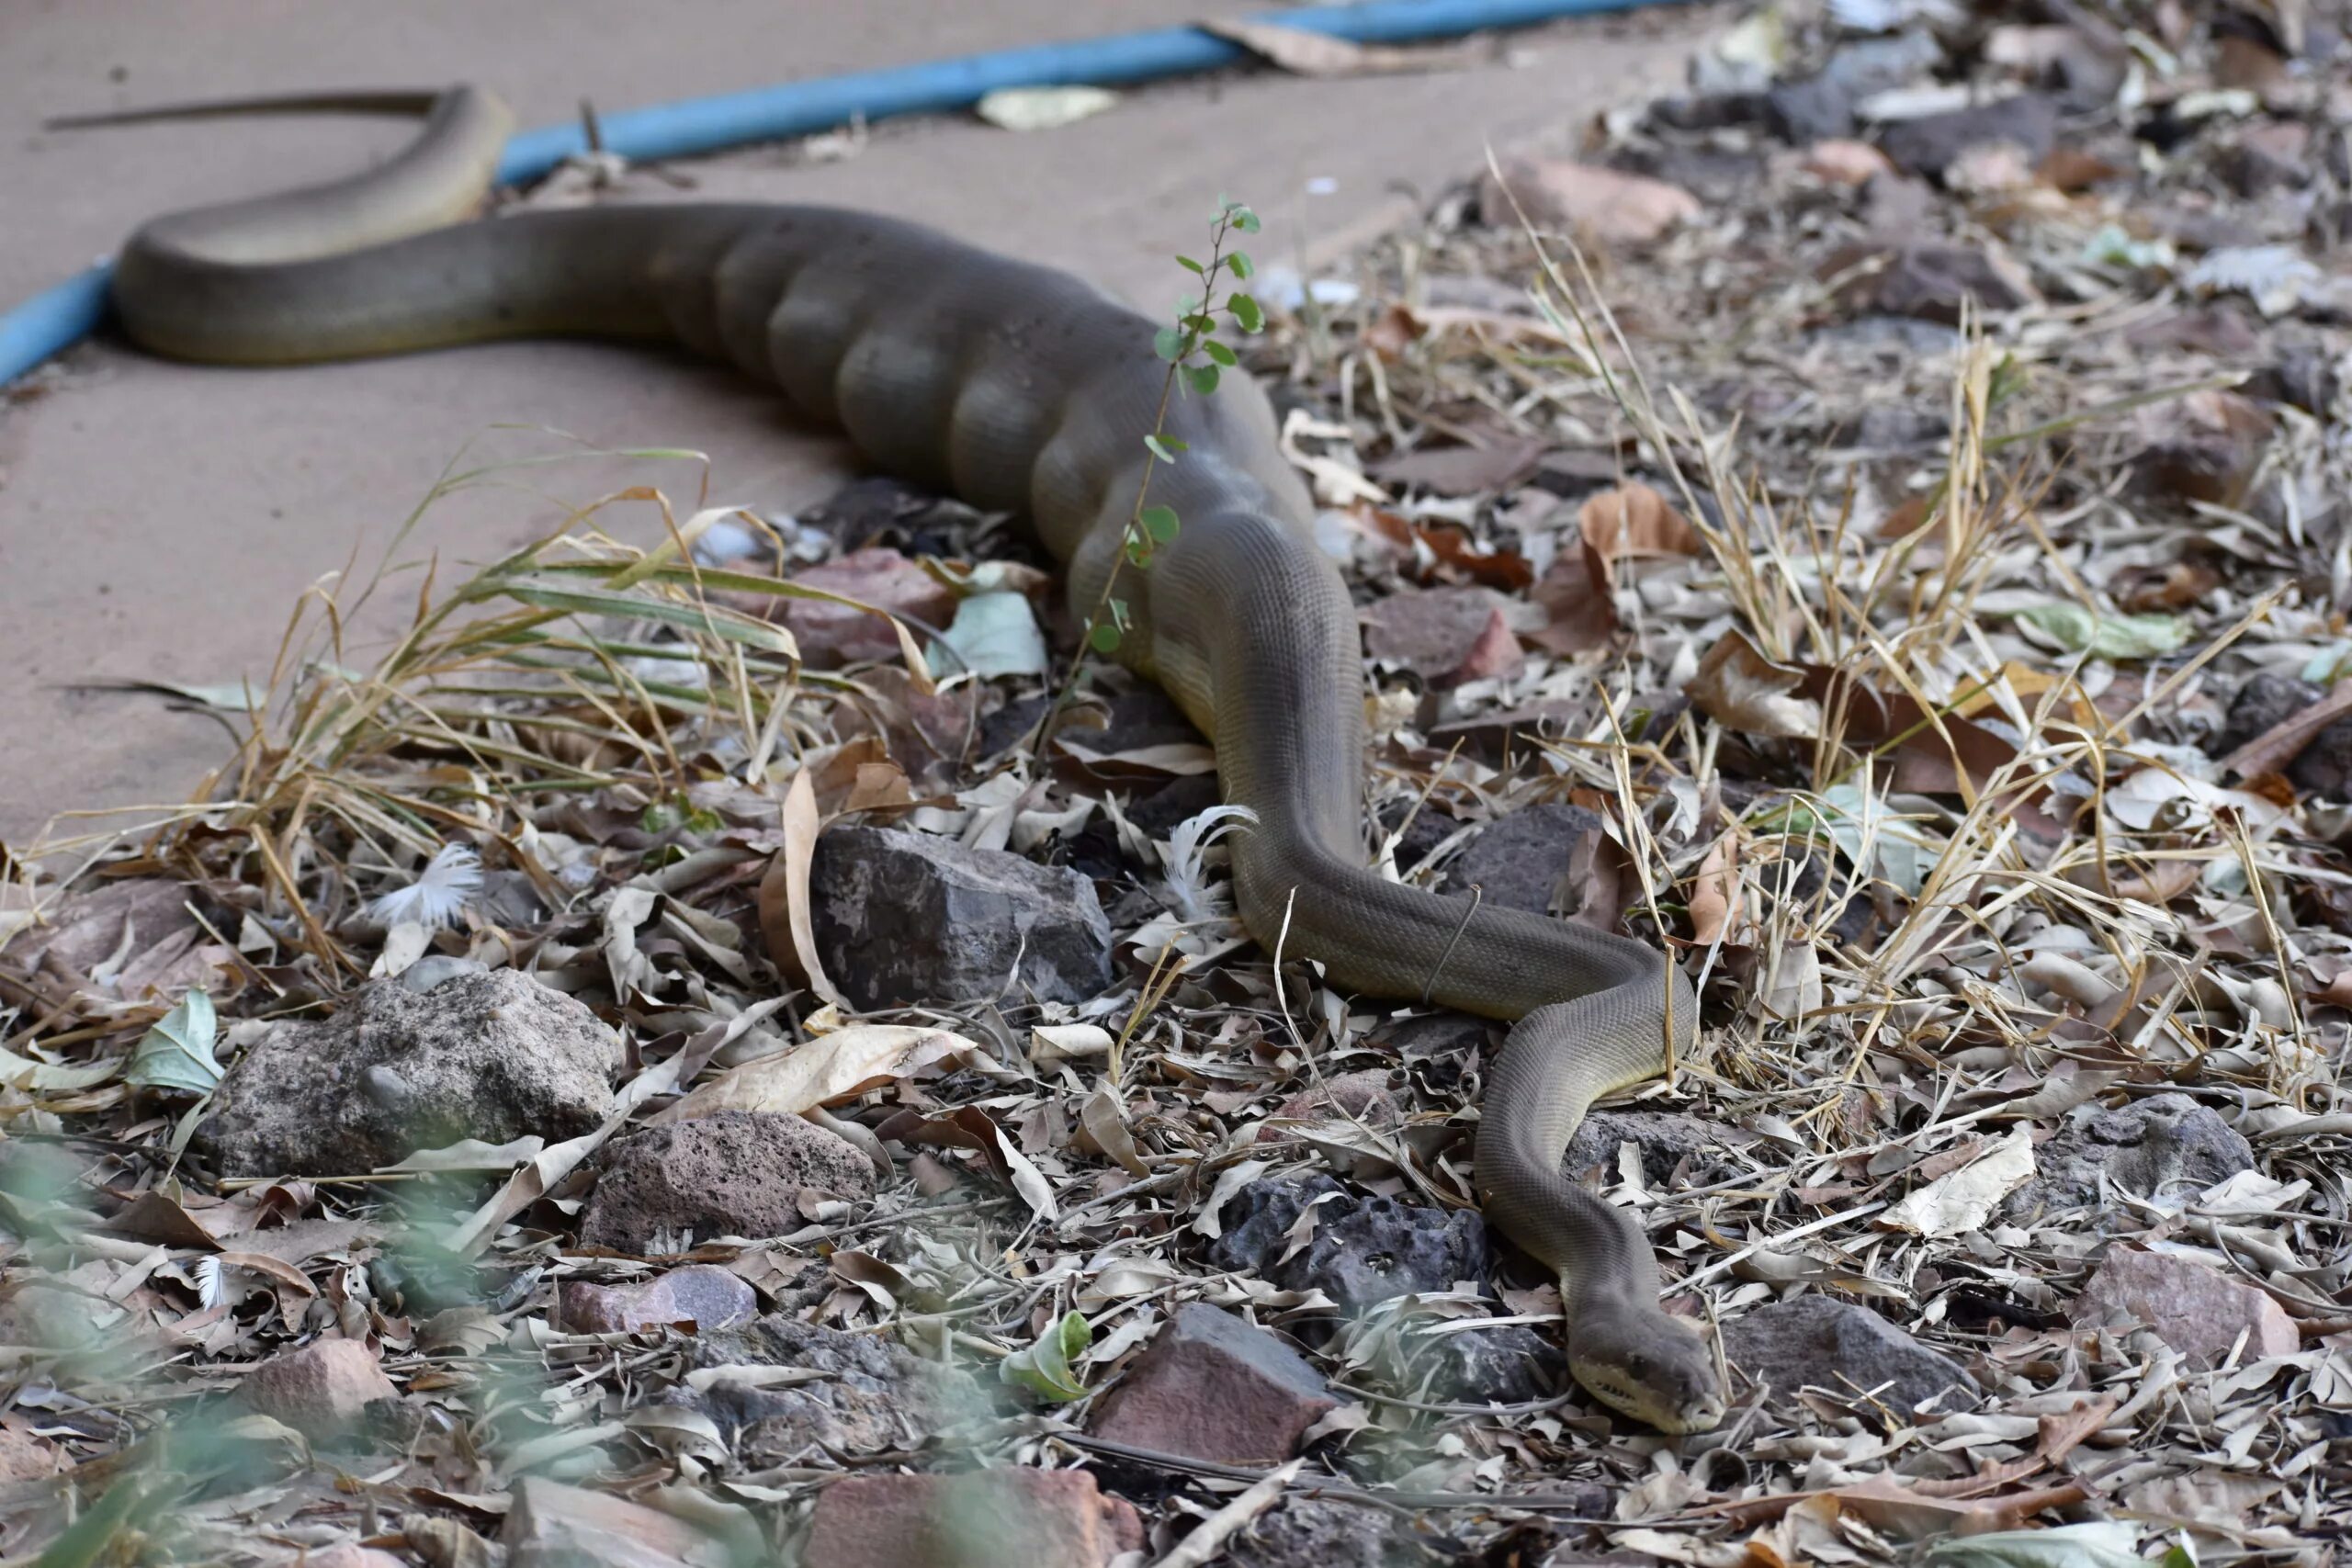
x: 1966, y: 1197
x: 829, y: 1070
x: 1738, y: 686
x: 1305, y: 54
x: 784, y: 920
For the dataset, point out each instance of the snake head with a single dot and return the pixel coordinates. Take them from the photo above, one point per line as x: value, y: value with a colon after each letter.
x: 1652, y: 1367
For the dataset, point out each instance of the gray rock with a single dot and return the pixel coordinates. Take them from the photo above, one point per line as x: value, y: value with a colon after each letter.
x: 1931, y: 281
x: 1928, y: 145
x: 1508, y: 1364
x: 874, y: 1395
x: 702, y: 1294
x: 1540, y: 860
x: 1669, y: 1143
x: 1364, y: 1250
x: 1213, y: 1387
x: 1323, y: 1532
x: 495, y: 1056
x: 2324, y: 766
x: 908, y: 918
x: 1812, y: 109
x: 2163, y: 1146
x: 742, y: 1173
x: 1821, y: 107
x: 2263, y: 703
x: 435, y: 968
x: 1814, y: 1342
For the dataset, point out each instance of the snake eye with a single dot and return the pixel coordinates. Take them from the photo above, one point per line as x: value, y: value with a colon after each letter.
x: 1638, y: 1365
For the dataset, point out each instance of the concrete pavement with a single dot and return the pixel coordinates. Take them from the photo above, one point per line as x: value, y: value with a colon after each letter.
x: 159, y: 521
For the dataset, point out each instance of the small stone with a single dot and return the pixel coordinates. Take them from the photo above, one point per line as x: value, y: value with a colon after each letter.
x: 1211, y: 1386
x: 2206, y: 446
x: 903, y: 919
x: 1365, y: 1250
x: 1363, y: 1096
x: 2166, y: 1146
x: 703, y: 1294
x: 1671, y: 1145
x: 1930, y: 280
x: 739, y: 1173
x: 2262, y: 704
x: 2195, y: 1309
x: 1609, y: 205
x: 1446, y: 636
x: 436, y: 968
x: 554, y: 1526
x: 1930, y: 144
x: 495, y: 1056
x: 2274, y: 156
x: 1811, y: 1341
x: 1507, y: 1364
x: 1812, y: 109
x: 1839, y: 161
x: 875, y: 1394
x: 323, y: 1390
x: 833, y: 635
x: 1427, y: 828
x: 1547, y: 858
x: 1323, y: 1532
x: 1822, y: 105
x: 2302, y: 375
x: 981, y: 1518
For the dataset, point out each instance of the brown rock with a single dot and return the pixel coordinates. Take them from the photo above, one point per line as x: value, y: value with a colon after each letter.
x: 1364, y: 1096
x: 1212, y: 1387
x: 984, y: 1518
x: 1446, y: 636
x: 2206, y: 446
x: 1930, y: 144
x: 321, y: 1390
x: 2196, y: 1309
x: 1929, y: 280
x: 738, y: 1173
x: 833, y: 635
x: 1839, y: 161
x: 554, y: 1526
x: 1607, y: 204
x: 2274, y: 156
x: 703, y: 1294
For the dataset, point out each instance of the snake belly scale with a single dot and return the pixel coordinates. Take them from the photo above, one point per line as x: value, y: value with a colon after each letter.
x: 1018, y: 388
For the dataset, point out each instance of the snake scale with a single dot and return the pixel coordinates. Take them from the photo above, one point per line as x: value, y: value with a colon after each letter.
x: 1020, y: 390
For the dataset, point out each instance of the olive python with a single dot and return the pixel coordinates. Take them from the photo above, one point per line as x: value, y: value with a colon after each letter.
x: 1018, y: 388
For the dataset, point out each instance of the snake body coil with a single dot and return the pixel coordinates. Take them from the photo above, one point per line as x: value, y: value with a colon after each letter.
x: 1022, y: 389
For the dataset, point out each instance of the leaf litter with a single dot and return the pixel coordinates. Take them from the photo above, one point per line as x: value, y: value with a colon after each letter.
x: 1952, y: 677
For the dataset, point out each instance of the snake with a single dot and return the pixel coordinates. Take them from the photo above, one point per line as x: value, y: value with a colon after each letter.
x: 1022, y: 389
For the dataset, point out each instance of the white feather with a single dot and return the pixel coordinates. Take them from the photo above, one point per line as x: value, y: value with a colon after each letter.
x: 450, y: 881
x: 1188, y: 889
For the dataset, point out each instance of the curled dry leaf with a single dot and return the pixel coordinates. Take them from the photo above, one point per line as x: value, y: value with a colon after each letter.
x: 1632, y: 522
x: 1964, y: 1199
x: 1738, y: 686
x: 1714, y: 891
x: 784, y: 919
x: 969, y: 1127
x: 829, y: 1070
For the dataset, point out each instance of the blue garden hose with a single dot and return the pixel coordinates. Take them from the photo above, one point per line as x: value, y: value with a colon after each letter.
x: 57, y: 318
